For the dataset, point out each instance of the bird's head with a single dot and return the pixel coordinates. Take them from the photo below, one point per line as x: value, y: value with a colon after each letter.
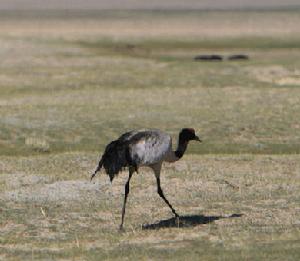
x: 188, y: 134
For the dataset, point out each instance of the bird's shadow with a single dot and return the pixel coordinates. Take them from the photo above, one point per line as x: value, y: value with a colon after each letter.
x: 186, y: 221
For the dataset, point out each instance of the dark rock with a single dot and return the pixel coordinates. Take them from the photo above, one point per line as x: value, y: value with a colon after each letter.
x: 237, y: 57
x: 209, y: 57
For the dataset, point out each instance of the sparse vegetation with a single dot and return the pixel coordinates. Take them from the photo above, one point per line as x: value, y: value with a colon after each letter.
x: 68, y: 86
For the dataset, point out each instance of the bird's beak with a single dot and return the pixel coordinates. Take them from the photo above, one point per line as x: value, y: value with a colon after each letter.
x: 197, y: 139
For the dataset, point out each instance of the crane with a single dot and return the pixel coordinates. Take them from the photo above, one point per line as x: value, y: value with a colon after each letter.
x: 146, y: 147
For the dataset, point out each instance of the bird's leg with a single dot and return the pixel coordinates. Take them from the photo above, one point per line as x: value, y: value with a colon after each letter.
x: 125, y: 197
x: 161, y: 194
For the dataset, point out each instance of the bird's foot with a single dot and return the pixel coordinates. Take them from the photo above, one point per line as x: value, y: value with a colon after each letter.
x: 177, y: 220
x: 121, y: 229
x: 92, y: 176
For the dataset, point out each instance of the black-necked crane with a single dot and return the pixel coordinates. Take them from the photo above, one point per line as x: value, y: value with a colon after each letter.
x: 143, y: 148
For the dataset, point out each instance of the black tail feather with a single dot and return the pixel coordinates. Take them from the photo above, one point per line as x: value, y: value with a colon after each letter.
x: 98, y: 168
x: 114, y: 158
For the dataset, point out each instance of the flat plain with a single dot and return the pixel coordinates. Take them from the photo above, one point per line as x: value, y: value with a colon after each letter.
x: 72, y: 81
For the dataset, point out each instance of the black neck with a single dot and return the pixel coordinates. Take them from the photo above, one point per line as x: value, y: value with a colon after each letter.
x: 181, y: 148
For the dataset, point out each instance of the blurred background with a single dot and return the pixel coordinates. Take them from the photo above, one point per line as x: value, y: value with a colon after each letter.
x: 76, y: 74
x: 135, y: 4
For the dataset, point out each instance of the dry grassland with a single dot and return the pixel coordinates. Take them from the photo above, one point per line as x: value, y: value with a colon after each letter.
x: 71, y: 82
x: 233, y: 207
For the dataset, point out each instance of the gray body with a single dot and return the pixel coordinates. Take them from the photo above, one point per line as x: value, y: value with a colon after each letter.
x: 150, y: 147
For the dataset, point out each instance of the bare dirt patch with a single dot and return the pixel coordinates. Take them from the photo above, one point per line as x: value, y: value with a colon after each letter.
x: 18, y: 180
x: 55, y: 192
x: 275, y: 74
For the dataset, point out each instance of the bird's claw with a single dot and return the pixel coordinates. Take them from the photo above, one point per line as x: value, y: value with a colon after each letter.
x: 175, y: 214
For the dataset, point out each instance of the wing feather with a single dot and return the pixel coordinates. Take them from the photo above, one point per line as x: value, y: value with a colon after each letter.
x: 149, y: 147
